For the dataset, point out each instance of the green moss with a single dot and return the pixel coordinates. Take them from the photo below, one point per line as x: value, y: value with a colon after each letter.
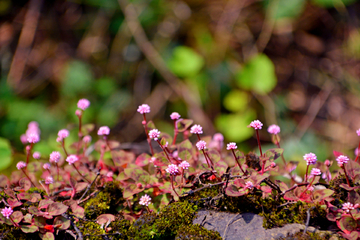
x: 310, y: 236
x: 196, y: 232
x: 13, y: 233
x: 89, y: 229
x: 340, y: 194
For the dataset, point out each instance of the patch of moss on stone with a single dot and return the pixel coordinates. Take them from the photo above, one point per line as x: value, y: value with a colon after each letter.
x: 309, y: 236
x: 196, y: 232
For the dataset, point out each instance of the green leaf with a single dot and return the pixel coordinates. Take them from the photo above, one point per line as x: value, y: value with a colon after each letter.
x: 332, y: 3
x: 347, y: 223
x: 236, y: 101
x: 258, y: 75
x: 185, y: 62
x: 61, y: 222
x: 29, y: 228
x: 285, y: 8
x: 5, y: 154
x: 184, y: 124
x: 47, y: 236
x: 17, y: 216
x: 234, y: 126
x: 232, y: 191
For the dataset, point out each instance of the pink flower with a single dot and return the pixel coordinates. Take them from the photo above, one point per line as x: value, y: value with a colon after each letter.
x: 172, y: 169
x: 87, y: 139
x: 55, y: 157
x: 33, y: 125
x: 218, y: 137
x: 272, y: 164
x: 143, y: 109
x: 109, y: 174
x: 341, y: 160
x: 184, y: 165
x: 72, y: 159
x: 20, y: 165
x: 145, y: 200
x: 196, y: 129
x: 152, y: 159
x: 273, y: 129
x: 33, y: 138
x: 46, y: 166
x: 36, y: 155
x: 249, y: 185
x: 83, y: 104
x: 201, y: 145
x: 315, y: 172
x: 175, y: 116
x: 310, y: 158
x: 358, y: 132
x: 23, y: 139
x: 231, y: 146
x: 154, y: 134
x: 6, y: 212
x: 256, y: 124
x: 104, y: 130
x: 349, y: 206
x: 327, y: 163
x: 63, y: 133
x: 49, y: 180
x: 78, y: 113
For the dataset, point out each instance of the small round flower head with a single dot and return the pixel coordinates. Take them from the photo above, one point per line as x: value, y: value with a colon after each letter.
x: 49, y: 180
x: 349, y: 206
x: 272, y: 164
x: 20, y: 165
x: 104, y: 130
x: 256, y: 124
x: 154, y: 134
x: 152, y: 159
x: 172, y: 169
x: 109, y: 174
x: 201, y: 145
x: 78, y: 113
x: 315, y: 172
x: 33, y: 138
x: 327, y: 163
x: 196, y: 129
x: 184, y: 165
x: 46, y: 166
x: 23, y: 139
x: 358, y: 132
x: 231, y: 146
x: 72, y: 159
x: 83, y: 104
x: 356, y: 151
x: 273, y: 129
x: 63, y: 133
x: 310, y: 158
x: 36, y: 155
x: 6, y: 212
x: 341, y: 160
x: 218, y: 137
x: 175, y: 116
x: 249, y: 185
x: 311, y: 188
x: 55, y: 157
x: 144, y: 108
x: 87, y: 139
x: 145, y: 200
x: 33, y: 125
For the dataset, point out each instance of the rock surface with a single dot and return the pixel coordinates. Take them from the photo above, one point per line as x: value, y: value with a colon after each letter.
x: 247, y: 226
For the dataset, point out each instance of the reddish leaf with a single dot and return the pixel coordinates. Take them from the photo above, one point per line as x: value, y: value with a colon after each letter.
x: 214, y: 155
x: 347, y: 224
x: 47, y: 236
x: 336, y: 153
x: 220, y: 167
x: 354, y: 235
x: 239, y: 182
x: 131, y: 190
x: 333, y: 216
x: 232, y: 191
x: 57, y: 208
x: 14, y: 203
x: 322, y: 194
x: 10, y: 193
x: 40, y: 221
x: 61, y: 222
x: 28, y: 218
x: 183, y: 124
x: 24, y: 185
x: 45, y: 203
x: 49, y: 228
x: 32, y: 197
x: 105, y: 219
x: 17, y: 216
x: 80, y: 186
x: 29, y: 228
x: 346, y: 187
x: 143, y: 159
x: 4, y: 181
x: 353, y: 197
x: 290, y: 196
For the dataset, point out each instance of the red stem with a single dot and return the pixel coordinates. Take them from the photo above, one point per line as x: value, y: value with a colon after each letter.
x: 79, y: 134
x: 15, y: 224
x: 80, y: 173
x: 172, y: 184
x: 147, y: 135
x: 307, y: 169
x: 233, y: 151
x: 347, y: 179
x: 57, y: 169
x: 175, y: 132
x: 162, y: 147
x: 28, y: 177
x: 28, y: 155
x: 258, y: 140
x: 63, y: 146
x: 308, y: 186
x: 357, y: 155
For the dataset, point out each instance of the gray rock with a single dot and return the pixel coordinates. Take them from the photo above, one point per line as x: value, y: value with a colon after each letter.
x: 247, y: 226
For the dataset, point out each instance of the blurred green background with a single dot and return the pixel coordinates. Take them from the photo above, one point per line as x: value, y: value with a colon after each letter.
x: 222, y: 63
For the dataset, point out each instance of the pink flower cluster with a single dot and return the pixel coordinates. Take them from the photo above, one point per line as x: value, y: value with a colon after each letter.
x: 144, y: 108
x: 36, y: 155
x: 154, y: 134
x: 196, y: 129
x: 87, y: 139
x: 349, y: 206
x: 358, y: 132
x: 145, y: 200
x: 175, y: 116
x: 62, y: 134
x: 172, y: 169
x: 310, y: 158
x: 184, y: 165
x: 256, y: 124
x: 231, y: 146
x: 341, y: 160
x: 201, y: 145
x: 49, y: 180
x: 55, y: 157
x: 83, y: 104
x: 104, y: 130
x: 249, y: 185
x: 32, y: 134
x: 6, y: 212
x: 20, y: 165
x: 46, y: 166
x: 273, y: 129
x: 315, y: 172
x: 71, y: 159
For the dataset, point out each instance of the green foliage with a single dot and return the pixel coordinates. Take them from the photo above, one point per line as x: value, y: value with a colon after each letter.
x: 196, y: 232
x: 285, y: 9
x: 236, y: 101
x: 185, y: 62
x: 333, y: 3
x: 5, y: 154
x: 258, y: 75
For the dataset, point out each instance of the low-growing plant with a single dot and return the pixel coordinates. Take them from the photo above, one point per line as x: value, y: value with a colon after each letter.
x: 76, y: 191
